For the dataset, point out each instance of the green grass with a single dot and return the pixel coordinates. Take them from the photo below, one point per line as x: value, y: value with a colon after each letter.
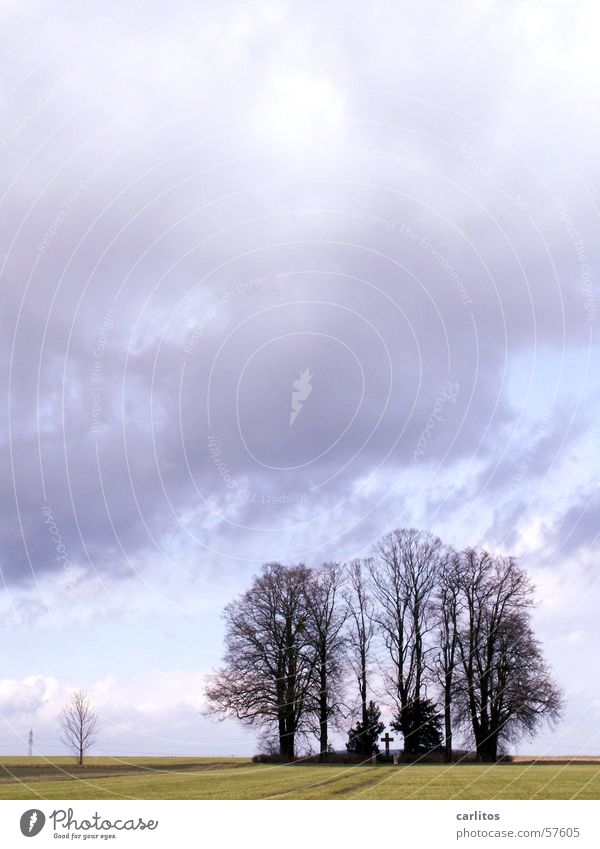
x: 238, y: 778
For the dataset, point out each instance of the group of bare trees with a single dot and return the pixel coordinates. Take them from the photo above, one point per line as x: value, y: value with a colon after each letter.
x: 444, y: 638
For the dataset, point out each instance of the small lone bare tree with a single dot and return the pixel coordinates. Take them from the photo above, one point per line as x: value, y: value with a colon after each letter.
x: 79, y: 723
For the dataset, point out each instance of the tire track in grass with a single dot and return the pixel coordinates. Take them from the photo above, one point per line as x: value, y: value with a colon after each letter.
x: 362, y: 785
x: 339, y: 776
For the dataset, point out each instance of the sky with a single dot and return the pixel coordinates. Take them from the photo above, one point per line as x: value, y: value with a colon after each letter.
x: 277, y: 278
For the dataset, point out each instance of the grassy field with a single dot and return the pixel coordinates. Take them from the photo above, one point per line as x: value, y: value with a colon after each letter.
x: 238, y: 778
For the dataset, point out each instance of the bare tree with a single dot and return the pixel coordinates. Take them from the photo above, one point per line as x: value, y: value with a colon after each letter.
x: 79, y: 723
x: 404, y: 572
x: 448, y: 603
x: 269, y: 663
x: 360, y: 632
x: 504, y: 689
x: 325, y: 623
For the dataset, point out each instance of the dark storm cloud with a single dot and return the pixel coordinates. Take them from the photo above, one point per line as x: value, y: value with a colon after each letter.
x: 184, y: 240
x: 578, y: 529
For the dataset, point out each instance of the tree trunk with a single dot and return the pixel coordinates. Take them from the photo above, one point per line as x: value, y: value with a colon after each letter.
x: 323, y: 713
x: 364, y: 747
x: 486, y: 752
x: 489, y: 748
x: 290, y: 705
x: 447, y: 726
x: 487, y: 744
x: 282, y: 735
x: 287, y: 746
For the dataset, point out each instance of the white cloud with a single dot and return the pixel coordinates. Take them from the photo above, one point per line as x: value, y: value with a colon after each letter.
x: 26, y: 697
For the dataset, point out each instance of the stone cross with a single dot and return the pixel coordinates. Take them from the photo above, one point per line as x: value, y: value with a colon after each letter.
x: 387, y: 740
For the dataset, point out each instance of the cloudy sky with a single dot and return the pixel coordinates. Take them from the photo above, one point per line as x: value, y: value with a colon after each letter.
x: 276, y: 279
